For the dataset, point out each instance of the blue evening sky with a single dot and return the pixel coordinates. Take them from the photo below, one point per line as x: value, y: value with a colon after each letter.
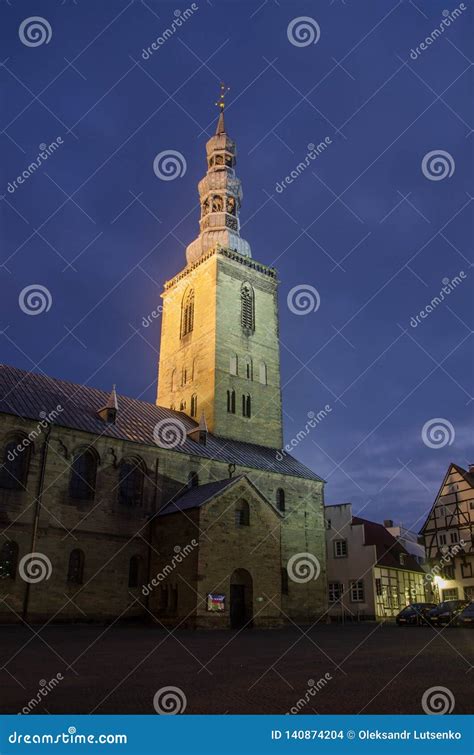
x: 362, y: 224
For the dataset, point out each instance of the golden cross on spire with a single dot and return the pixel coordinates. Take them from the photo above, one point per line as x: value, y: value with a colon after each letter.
x: 221, y: 101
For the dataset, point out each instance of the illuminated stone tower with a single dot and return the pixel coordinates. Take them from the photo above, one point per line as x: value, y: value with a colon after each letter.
x: 219, y: 341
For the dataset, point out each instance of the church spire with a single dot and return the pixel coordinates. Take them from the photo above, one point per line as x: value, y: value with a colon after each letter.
x: 220, y: 193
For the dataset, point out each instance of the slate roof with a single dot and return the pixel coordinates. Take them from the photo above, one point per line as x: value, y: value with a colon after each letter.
x: 387, y: 547
x: 27, y: 394
x: 198, y: 496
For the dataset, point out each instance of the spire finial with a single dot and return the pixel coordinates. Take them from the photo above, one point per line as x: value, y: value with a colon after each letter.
x: 221, y: 105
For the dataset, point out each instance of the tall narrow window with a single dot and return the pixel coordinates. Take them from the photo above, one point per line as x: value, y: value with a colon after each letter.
x: 14, y: 469
x: 134, y: 571
x: 242, y: 514
x: 234, y: 365
x: 193, y: 480
x: 280, y: 499
x: 130, y: 483
x: 231, y: 402
x: 248, y: 368
x: 284, y: 581
x: 247, y: 304
x: 75, y: 572
x: 194, y: 403
x: 246, y: 405
x: 262, y: 373
x: 173, y: 380
x: 8, y: 559
x: 187, y: 313
x: 83, y: 475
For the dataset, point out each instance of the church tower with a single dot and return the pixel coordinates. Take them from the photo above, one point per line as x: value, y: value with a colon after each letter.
x: 219, y: 350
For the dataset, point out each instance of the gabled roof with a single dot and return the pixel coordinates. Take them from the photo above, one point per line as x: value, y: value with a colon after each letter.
x: 196, y: 497
x: 387, y: 547
x: 29, y: 395
x: 467, y: 476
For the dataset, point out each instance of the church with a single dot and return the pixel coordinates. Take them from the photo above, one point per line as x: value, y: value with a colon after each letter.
x: 184, y: 512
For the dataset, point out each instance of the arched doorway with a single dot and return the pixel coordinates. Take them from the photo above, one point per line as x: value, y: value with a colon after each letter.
x: 241, y: 599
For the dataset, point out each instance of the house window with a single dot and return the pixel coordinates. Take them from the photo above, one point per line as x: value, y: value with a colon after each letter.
x: 8, y: 560
x: 340, y: 548
x: 328, y: 524
x: 194, y: 402
x: 187, y: 313
x: 231, y: 402
x: 442, y: 539
x: 336, y: 591
x: 442, y: 510
x: 75, y: 572
x: 466, y: 570
x: 134, y: 569
x: 280, y: 499
x: 449, y: 572
x: 378, y: 587
x: 130, y: 483
x: 401, y: 558
x: 247, y: 306
x: 242, y: 514
x: 454, y: 537
x: 357, y: 591
x: 14, y: 469
x: 284, y: 582
x: 246, y: 405
x: 83, y: 476
x: 451, y: 594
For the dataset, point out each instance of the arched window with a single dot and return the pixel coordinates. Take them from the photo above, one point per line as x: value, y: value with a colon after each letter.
x: 247, y: 307
x: 173, y: 380
x: 8, y: 559
x: 231, y: 402
x: 14, y: 468
x: 135, y: 571
x: 234, y: 365
x: 262, y: 373
x: 246, y: 405
x: 184, y: 376
x: 75, y: 572
x: 131, y: 483
x: 242, y: 514
x: 248, y: 368
x: 182, y: 406
x: 83, y: 474
x: 193, y: 480
x: 187, y: 313
x: 280, y: 499
x: 194, y: 404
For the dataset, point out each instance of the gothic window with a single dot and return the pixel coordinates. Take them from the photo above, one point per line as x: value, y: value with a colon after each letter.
x: 217, y: 203
x: 134, y: 571
x: 246, y: 405
x: 242, y: 514
x: 173, y: 380
x: 184, y: 376
x: 131, y: 483
x: 8, y: 559
x: 280, y: 499
x: 187, y: 313
x: 14, y: 469
x: 75, y: 572
x: 248, y: 368
x: 194, y: 401
x: 262, y: 373
x: 83, y: 474
x: 193, y: 480
x: 231, y: 402
x: 234, y: 365
x: 247, y: 304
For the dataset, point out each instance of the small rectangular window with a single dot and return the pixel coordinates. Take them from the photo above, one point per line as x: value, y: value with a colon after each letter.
x: 357, y: 591
x: 442, y: 539
x: 451, y: 594
x: 340, y: 548
x: 335, y: 592
x: 378, y: 587
x: 448, y: 572
x: 284, y: 582
x: 454, y: 537
x: 466, y: 570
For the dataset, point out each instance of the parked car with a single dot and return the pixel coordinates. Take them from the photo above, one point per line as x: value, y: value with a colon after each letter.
x: 466, y: 617
x: 445, y: 612
x: 415, y: 614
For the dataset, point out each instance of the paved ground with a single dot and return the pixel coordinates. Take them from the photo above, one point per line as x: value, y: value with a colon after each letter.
x: 118, y: 669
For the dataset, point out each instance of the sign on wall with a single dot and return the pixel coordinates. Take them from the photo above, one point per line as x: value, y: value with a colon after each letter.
x: 215, y: 602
